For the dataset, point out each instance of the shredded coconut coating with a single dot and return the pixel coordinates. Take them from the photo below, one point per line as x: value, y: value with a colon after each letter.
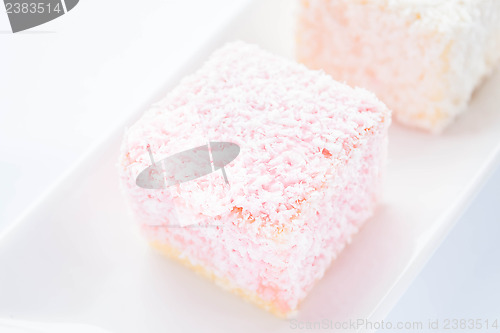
x: 424, y: 59
x: 307, y: 176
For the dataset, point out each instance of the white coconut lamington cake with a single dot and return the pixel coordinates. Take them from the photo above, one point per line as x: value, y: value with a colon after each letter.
x: 308, y: 174
x: 423, y: 58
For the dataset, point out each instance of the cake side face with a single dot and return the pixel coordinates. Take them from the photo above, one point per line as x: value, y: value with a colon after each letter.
x: 422, y: 58
x: 307, y: 176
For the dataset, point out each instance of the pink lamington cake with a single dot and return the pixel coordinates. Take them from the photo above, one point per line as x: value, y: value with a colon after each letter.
x: 423, y: 58
x: 308, y: 174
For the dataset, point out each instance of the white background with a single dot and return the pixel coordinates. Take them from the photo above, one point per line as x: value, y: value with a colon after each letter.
x: 42, y: 136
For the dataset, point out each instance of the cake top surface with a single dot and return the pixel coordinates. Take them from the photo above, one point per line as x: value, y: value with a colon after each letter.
x: 294, y: 127
x: 426, y: 15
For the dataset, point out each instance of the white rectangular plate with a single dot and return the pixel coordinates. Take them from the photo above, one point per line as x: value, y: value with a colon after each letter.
x: 77, y: 256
